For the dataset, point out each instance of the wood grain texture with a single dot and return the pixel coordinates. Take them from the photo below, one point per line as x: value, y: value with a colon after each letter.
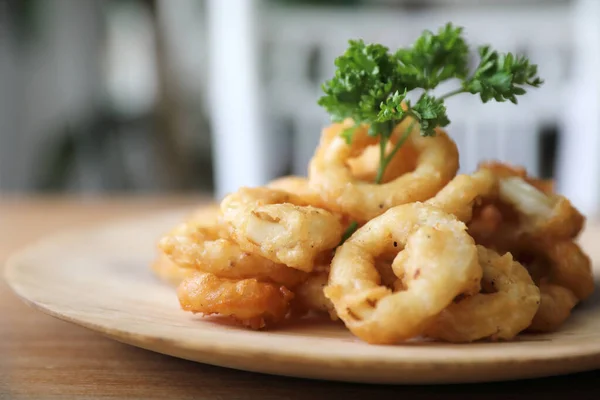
x: 42, y: 357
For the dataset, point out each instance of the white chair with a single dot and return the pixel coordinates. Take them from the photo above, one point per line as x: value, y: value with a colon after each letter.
x: 578, y: 171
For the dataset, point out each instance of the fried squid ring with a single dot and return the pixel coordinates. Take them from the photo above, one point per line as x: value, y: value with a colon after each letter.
x: 252, y: 303
x: 555, y: 308
x: 364, y: 167
x: 542, y: 214
x: 384, y: 267
x: 206, y: 217
x: 504, y: 170
x: 298, y: 186
x: 566, y: 263
x: 506, y: 305
x: 530, y: 205
x: 485, y: 221
x: 330, y: 175
x: 437, y: 259
x: 280, y: 227
x: 463, y: 192
x: 558, y: 261
x: 309, y: 296
x: 540, y: 210
x: 196, y: 248
x: 558, y: 266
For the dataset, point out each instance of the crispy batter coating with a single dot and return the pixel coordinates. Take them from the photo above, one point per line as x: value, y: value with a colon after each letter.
x: 508, y: 302
x: 556, y: 263
x: 330, y: 174
x: 540, y: 213
x: 437, y: 261
x: 505, y: 170
x: 254, y: 304
x: 163, y: 266
x: 364, y: 167
x: 565, y: 264
x: 537, y: 208
x: 279, y: 226
x: 298, y: 186
x: 197, y: 249
x: 463, y: 258
x: 463, y: 192
x: 555, y: 308
x: 309, y: 296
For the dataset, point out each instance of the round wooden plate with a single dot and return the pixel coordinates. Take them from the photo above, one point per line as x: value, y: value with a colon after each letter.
x: 101, y: 279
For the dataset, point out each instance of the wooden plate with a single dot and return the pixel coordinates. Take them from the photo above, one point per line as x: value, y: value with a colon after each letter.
x: 100, y: 279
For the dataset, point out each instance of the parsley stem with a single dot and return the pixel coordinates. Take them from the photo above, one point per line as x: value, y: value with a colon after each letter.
x: 452, y: 93
x: 382, y: 159
x: 401, y: 141
x: 385, y: 160
x: 348, y: 232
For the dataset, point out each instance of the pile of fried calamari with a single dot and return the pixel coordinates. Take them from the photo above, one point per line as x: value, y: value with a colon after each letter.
x: 435, y: 255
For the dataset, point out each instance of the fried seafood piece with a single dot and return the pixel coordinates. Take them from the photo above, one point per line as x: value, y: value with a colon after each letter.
x: 506, y: 305
x: 252, y: 303
x: 309, y: 296
x: 208, y: 215
x: 464, y: 192
x: 564, y: 263
x: 538, y: 227
x: 197, y: 248
x: 540, y: 211
x: 280, y: 226
x: 555, y: 308
x: 364, y: 167
x: 485, y: 221
x: 208, y: 218
x: 202, y: 243
x: 298, y: 186
x: 436, y: 261
x: 384, y: 267
x: 331, y: 175
x: 559, y: 267
x: 168, y: 271
x: 505, y: 170
x: 559, y: 261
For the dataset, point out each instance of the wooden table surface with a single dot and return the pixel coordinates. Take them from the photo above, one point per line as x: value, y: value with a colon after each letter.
x: 42, y: 357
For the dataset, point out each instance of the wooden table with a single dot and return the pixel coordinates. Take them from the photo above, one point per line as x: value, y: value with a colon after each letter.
x: 42, y: 357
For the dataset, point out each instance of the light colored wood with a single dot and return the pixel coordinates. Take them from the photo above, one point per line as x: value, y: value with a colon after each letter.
x: 100, y: 278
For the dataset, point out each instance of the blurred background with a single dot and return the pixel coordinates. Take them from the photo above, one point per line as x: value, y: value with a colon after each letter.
x: 164, y: 96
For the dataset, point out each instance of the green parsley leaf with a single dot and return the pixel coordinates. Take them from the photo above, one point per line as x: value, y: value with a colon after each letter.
x: 371, y: 85
x: 431, y: 112
x: 363, y: 80
x: 434, y: 58
x: 501, y: 77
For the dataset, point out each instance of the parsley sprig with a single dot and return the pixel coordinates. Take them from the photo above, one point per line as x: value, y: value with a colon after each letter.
x: 371, y: 85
